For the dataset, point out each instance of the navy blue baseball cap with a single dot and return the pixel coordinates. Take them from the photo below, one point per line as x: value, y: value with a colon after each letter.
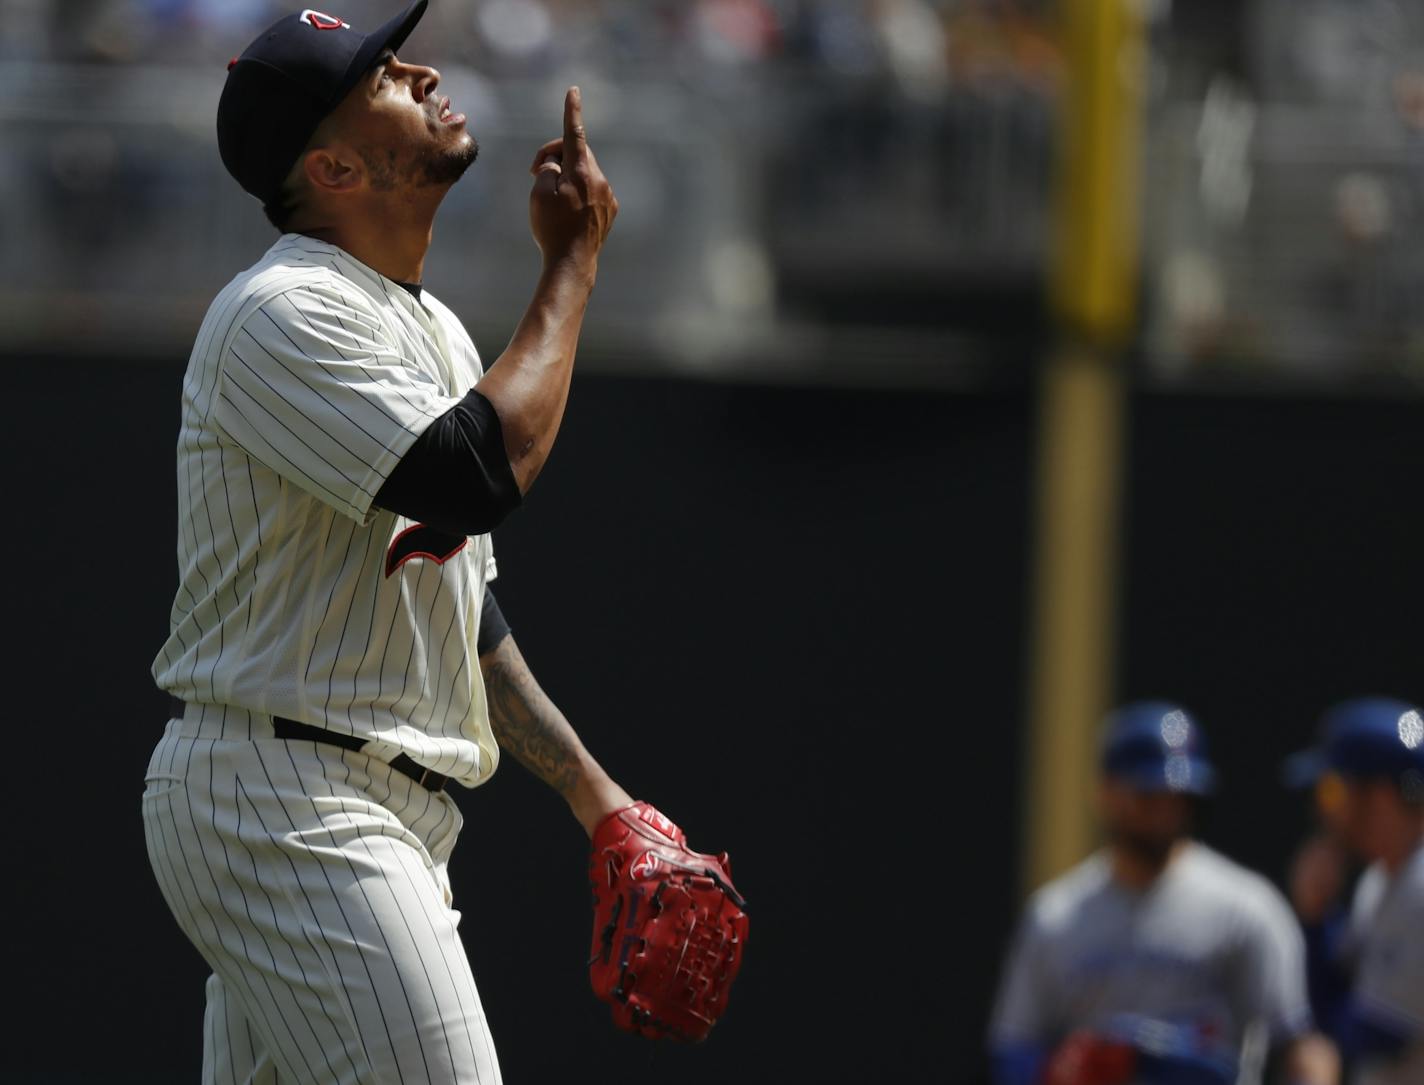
x: 1157, y: 746
x: 1364, y: 737
x: 281, y: 87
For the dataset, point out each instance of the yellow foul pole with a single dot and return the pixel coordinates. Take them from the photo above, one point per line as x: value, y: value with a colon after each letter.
x: 1093, y: 287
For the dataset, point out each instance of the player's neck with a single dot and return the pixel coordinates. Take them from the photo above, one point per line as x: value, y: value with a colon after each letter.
x: 396, y: 255
x: 1137, y: 871
x: 393, y: 240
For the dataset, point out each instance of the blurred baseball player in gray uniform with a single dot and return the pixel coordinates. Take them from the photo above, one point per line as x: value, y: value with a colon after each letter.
x: 1157, y: 959
x: 335, y: 657
x: 1367, y: 956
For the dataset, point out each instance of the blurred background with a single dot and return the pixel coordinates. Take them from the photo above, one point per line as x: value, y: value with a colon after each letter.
x: 957, y: 369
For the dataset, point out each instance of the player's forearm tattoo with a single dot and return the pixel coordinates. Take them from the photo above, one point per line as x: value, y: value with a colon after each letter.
x: 526, y: 722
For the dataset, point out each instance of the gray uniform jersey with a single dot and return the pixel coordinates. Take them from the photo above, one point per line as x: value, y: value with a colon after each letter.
x: 1210, y: 948
x: 1386, y: 942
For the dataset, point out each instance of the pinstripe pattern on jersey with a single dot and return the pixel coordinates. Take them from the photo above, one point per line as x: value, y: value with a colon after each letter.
x: 310, y: 376
x: 314, y: 881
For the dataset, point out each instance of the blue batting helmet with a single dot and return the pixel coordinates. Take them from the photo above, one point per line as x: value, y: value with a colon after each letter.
x: 1157, y: 746
x: 1365, y: 737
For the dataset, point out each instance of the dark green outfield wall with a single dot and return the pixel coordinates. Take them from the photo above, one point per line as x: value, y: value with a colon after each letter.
x: 795, y: 620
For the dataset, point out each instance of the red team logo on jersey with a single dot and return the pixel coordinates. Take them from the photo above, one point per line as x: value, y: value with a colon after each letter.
x: 423, y: 541
x: 322, y: 21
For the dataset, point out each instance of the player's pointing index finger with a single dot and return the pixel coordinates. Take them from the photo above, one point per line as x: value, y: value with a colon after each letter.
x: 575, y: 141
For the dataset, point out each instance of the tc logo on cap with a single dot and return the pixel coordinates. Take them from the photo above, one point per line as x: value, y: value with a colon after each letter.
x: 321, y: 20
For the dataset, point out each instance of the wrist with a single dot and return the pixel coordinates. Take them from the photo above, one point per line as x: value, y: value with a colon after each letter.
x: 594, y: 796
x: 577, y: 262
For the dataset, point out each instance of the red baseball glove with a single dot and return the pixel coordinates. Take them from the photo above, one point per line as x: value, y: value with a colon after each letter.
x: 1086, y: 1058
x: 668, y: 926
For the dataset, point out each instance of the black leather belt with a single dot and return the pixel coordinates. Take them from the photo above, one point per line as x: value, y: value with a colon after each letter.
x: 292, y: 729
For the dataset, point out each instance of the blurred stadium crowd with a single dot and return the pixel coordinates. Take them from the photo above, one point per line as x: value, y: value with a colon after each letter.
x: 922, y: 44
x: 1286, y: 197
x: 937, y: 117
x: 1283, y: 149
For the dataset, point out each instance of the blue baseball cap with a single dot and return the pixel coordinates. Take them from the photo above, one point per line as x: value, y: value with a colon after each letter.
x: 283, y: 84
x: 1364, y: 737
x: 1157, y: 746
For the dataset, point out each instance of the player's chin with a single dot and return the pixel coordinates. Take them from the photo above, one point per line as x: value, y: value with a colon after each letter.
x: 463, y: 152
x: 455, y: 139
x: 446, y: 164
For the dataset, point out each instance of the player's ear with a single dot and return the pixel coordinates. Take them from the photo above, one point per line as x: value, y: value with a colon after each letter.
x: 327, y: 169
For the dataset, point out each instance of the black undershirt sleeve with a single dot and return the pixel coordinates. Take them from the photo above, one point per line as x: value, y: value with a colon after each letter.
x: 493, y: 627
x: 456, y: 477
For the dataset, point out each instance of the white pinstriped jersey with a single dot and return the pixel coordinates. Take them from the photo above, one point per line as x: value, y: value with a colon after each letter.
x: 311, y: 376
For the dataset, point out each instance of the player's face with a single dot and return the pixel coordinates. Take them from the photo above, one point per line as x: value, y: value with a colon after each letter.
x: 1147, y: 822
x: 1367, y: 810
x: 406, y: 133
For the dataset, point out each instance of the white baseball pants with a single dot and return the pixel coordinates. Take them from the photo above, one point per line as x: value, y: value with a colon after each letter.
x: 313, y: 881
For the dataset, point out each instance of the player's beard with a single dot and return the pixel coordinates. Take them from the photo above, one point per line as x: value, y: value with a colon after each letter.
x: 428, y: 166
x: 446, y: 165
x: 1149, y: 849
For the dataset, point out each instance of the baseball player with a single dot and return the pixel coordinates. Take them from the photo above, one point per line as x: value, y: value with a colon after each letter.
x: 1369, y: 966
x: 335, y: 657
x: 1157, y: 959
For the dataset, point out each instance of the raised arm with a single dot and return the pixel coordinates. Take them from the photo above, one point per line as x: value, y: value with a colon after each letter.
x: 471, y: 466
x: 571, y: 210
x: 529, y: 726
